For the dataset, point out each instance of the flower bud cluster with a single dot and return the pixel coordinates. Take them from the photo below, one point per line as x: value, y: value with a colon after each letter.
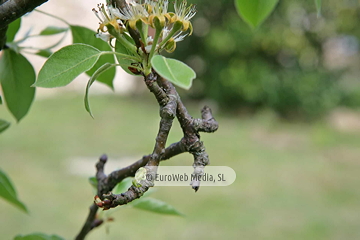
x: 136, y: 20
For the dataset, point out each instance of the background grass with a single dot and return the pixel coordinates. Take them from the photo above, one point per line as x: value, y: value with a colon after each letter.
x: 294, y: 181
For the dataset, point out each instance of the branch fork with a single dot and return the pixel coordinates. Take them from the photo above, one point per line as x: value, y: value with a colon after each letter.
x: 171, y: 106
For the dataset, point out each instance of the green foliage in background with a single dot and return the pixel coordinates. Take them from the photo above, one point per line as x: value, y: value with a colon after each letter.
x: 294, y: 181
x: 3, y: 125
x: 8, y: 192
x: 38, y: 236
x: 256, y: 11
x: 282, y: 64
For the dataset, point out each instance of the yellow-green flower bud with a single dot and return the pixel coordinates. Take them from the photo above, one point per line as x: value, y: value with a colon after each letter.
x: 170, y: 46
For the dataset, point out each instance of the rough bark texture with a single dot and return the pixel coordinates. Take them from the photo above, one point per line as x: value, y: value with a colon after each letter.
x: 171, y: 106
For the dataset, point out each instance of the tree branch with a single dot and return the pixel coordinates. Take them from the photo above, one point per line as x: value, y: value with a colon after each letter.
x: 89, y: 223
x: 11, y: 10
x: 170, y: 105
x: 207, y: 123
x: 3, y: 37
x: 107, y: 183
x: 191, y: 128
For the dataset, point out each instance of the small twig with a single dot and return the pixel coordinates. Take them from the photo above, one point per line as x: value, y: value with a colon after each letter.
x: 207, y: 123
x: 88, y: 226
x: 168, y: 103
x: 170, y: 106
x: 191, y: 128
x: 105, y: 185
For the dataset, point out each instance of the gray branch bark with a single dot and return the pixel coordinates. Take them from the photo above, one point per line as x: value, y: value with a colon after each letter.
x: 11, y: 10
x: 170, y: 106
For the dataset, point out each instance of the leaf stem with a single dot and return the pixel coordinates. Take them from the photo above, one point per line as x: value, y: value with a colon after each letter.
x: 122, y: 39
x: 122, y: 55
x: 153, y: 47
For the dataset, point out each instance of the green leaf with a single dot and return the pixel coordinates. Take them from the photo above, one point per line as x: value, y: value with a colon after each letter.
x: 52, y: 30
x: 66, y: 64
x: 57, y: 43
x: 173, y: 70
x: 155, y: 205
x: 7, y: 191
x: 44, y: 53
x: 96, y: 74
x: 254, y: 12
x: 3, y: 125
x: 0, y: 100
x: 318, y: 7
x: 123, y: 186
x: 93, y: 182
x: 87, y: 36
x: 12, y: 30
x: 47, y: 51
x: 124, y: 62
x: 17, y: 75
x: 38, y: 236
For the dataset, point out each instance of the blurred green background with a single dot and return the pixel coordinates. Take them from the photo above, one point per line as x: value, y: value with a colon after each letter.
x: 295, y: 179
x: 298, y: 64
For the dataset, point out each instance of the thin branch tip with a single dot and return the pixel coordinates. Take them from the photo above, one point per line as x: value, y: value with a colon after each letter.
x: 103, y: 158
